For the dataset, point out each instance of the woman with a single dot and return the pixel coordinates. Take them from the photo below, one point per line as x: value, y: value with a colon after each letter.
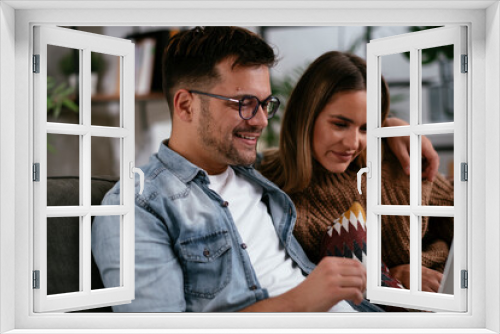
x: 322, y: 147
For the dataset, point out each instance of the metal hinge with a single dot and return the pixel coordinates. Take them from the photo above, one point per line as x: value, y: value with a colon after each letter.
x: 464, y: 168
x: 465, y: 279
x: 36, y: 279
x: 36, y: 63
x: 36, y: 172
x: 465, y: 64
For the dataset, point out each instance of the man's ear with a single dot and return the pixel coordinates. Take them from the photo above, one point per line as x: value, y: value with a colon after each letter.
x: 183, y: 105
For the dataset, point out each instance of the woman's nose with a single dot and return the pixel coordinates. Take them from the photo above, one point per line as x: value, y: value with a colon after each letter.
x: 352, y: 140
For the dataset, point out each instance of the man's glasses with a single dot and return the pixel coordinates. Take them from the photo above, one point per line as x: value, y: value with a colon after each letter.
x: 248, y: 105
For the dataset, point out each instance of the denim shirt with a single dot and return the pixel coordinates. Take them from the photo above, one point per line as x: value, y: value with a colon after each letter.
x: 188, y: 252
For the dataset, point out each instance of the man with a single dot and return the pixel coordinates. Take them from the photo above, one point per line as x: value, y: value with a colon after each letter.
x: 212, y: 234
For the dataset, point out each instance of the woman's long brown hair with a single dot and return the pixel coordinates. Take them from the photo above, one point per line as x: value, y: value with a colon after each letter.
x: 291, y: 166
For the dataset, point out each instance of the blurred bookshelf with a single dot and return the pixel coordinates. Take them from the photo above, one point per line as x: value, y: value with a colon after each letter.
x: 149, y: 48
x: 138, y: 97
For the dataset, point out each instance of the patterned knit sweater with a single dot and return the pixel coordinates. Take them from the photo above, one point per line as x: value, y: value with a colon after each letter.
x: 331, y: 194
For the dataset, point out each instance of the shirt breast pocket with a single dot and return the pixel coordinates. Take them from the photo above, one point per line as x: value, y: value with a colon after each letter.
x: 206, y: 263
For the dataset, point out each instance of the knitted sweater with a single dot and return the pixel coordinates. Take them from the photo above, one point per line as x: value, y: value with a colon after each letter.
x: 331, y: 194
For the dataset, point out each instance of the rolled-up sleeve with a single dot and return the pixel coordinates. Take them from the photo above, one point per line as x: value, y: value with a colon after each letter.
x: 159, y: 284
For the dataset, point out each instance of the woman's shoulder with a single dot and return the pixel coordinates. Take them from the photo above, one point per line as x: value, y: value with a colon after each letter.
x: 268, y: 164
x: 392, y: 169
x: 394, y: 178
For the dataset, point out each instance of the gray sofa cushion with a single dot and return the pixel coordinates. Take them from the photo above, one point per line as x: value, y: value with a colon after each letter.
x: 63, y: 235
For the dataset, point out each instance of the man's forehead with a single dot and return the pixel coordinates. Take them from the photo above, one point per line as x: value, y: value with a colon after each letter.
x: 230, y: 64
x: 227, y: 70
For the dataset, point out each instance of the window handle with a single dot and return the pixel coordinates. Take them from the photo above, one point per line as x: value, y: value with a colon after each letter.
x: 139, y: 171
x: 368, y: 172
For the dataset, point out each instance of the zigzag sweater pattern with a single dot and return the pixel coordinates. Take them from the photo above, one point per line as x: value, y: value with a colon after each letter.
x: 331, y: 194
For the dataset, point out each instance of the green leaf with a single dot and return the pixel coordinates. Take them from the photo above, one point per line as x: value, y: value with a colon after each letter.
x: 50, y: 104
x: 50, y: 82
x: 59, y: 89
x: 57, y: 112
x: 71, y: 105
x: 68, y: 91
x: 50, y: 147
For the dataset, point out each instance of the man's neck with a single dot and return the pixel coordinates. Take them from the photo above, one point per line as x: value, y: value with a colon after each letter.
x: 186, y: 151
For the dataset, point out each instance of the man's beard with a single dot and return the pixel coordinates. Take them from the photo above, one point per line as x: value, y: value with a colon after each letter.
x: 224, y: 148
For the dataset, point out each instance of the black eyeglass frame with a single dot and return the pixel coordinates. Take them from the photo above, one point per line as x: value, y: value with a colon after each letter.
x: 240, y: 102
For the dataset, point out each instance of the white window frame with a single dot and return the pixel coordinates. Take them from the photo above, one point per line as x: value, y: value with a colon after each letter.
x: 85, y: 43
x: 414, y: 43
x: 16, y: 21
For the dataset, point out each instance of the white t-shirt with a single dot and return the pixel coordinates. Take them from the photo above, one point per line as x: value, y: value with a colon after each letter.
x: 275, y: 270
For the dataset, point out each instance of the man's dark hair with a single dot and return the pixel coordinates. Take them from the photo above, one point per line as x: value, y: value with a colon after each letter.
x: 190, y: 58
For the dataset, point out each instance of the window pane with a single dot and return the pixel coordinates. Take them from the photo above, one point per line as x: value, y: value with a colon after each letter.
x: 105, y: 160
x: 63, y: 255
x: 112, y: 224
x: 395, y: 182
x: 395, y: 69
x: 437, y: 84
x: 105, y: 89
x: 63, y: 66
x: 440, y: 192
x: 437, y: 236
x: 63, y: 170
x: 395, y: 251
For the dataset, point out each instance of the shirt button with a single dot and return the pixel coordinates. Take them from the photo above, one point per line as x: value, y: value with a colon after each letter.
x: 253, y: 287
x: 244, y: 246
x: 206, y: 252
x: 225, y: 203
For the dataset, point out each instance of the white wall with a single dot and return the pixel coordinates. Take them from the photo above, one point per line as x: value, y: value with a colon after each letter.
x: 492, y: 154
x: 299, y: 46
x: 7, y: 163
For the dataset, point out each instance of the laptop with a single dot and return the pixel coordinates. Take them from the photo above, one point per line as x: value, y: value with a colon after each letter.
x: 447, y: 281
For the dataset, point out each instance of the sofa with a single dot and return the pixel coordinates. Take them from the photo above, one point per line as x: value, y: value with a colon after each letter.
x: 63, y: 237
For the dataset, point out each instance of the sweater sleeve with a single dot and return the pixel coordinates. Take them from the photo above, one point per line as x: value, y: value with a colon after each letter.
x: 436, y: 242
x: 442, y: 192
x: 437, y: 232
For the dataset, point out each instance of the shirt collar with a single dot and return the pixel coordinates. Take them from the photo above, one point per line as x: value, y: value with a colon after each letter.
x: 178, y: 165
x: 185, y: 170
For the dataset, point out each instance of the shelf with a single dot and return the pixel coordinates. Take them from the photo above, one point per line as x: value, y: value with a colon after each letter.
x: 115, y: 97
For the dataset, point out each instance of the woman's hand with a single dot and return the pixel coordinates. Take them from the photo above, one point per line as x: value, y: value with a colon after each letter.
x: 431, y: 279
x: 400, y: 146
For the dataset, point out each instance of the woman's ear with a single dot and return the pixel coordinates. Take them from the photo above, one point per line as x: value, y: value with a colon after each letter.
x: 183, y: 105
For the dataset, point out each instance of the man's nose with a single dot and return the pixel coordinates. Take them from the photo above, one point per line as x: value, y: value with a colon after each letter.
x: 260, y: 118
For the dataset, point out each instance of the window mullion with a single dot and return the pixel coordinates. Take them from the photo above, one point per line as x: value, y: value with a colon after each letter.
x: 437, y: 128
x: 373, y: 112
x: 414, y: 168
x: 128, y: 153
x: 86, y: 163
x: 86, y: 138
x: 86, y: 257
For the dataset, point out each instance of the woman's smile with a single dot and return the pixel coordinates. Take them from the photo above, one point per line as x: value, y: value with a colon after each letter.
x: 343, y: 156
x: 340, y: 131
